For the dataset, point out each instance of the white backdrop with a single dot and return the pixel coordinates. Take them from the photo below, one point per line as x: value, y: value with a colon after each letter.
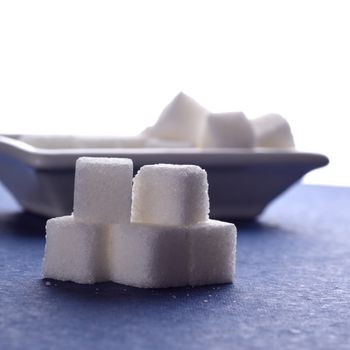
x: 111, y: 66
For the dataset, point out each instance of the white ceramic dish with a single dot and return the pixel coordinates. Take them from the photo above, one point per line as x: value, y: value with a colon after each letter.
x: 241, y: 182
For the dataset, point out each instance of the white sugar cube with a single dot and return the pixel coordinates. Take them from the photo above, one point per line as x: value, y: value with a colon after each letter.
x: 102, y: 192
x: 75, y: 251
x: 167, y: 194
x: 183, y: 120
x: 149, y: 256
x: 272, y: 131
x: 213, y: 253
x: 231, y: 130
x: 154, y: 256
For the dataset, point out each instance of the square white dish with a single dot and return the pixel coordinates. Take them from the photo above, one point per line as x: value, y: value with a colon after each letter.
x: 241, y: 182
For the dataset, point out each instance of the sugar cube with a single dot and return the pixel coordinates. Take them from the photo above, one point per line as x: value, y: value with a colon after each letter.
x: 231, y: 130
x: 168, y: 194
x: 75, y: 251
x: 102, y: 192
x: 149, y: 256
x: 213, y: 252
x: 272, y: 131
x: 154, y: 256
x: 183, y: 119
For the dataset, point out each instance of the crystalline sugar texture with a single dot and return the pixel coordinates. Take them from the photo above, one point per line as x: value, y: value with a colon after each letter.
x: 183, y: 120
x: 149, y: 256
x: 75, y: 251
x: 102, y: 192
x: 153, y: 256
x: 166, y: 194
x: 213, y: 253
x: 231, y: 130
x: 272, y: 131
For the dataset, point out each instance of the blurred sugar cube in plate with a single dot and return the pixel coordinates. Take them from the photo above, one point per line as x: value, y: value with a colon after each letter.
x: 273, y: 131
x: 228, y: 130
x: 183, y: 119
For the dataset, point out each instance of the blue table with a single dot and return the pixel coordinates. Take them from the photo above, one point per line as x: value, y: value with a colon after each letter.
x: 292, y: 289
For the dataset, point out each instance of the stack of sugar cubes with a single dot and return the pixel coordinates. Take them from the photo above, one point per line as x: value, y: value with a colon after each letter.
x: 152, y: 231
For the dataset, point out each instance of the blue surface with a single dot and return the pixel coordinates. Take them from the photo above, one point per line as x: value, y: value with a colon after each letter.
x: 292, y: 289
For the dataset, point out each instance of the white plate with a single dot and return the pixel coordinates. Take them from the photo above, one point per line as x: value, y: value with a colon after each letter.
x: 241, y: 182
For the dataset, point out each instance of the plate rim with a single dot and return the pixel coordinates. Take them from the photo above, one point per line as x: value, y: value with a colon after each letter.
x: 48, y: 159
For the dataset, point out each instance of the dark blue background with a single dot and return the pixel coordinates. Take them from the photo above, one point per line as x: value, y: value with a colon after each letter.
x: 292, y: 289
